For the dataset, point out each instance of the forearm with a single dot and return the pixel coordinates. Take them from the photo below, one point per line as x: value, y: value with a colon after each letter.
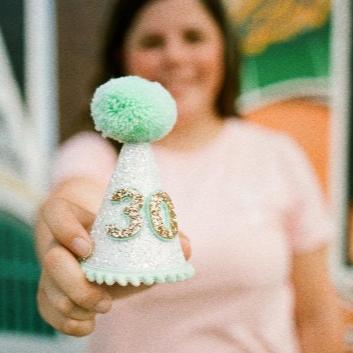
x: 85, y: 192
x: 324, y: 334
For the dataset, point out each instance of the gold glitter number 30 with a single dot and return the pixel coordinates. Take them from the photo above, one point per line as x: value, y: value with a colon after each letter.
x: 156, y: 210
x: 132, y: 211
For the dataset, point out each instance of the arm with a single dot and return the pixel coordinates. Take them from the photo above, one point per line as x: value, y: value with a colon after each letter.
x: 318, y: 318
x: 69, y: 302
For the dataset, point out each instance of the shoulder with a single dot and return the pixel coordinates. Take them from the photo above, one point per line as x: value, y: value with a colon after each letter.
x: 255, y: 137
x: 268, y: 154
x: 84, y: 154
x: 87, y: 142
x: 86, y: 137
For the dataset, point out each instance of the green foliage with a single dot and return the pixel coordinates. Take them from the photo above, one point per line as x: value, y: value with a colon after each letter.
x: 19, y: 277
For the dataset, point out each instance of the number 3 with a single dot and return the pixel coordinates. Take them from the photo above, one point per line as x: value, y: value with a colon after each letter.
x: 132, y: 211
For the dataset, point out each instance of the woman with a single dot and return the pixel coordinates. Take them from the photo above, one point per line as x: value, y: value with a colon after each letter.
x: 245, y: 196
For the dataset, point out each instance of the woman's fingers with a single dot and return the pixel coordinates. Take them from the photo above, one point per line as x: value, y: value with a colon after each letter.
x: 68, y: 222
x: 66, y: 300
x: 60, y: 321
x: 61, y: 302
x: 185, y: 244
x: 67, y: 275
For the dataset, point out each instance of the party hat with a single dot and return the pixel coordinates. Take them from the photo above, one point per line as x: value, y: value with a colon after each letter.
x: 136, y: 231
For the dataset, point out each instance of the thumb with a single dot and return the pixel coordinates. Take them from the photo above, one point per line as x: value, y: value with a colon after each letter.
x: 68, y: 223
x: 185, y: 245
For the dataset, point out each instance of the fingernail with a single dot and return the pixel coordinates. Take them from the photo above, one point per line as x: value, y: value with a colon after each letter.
x: 103, y: 306
x: 81, y: 247
x: 186, y: 237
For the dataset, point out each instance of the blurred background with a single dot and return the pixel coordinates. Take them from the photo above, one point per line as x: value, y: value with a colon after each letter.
x: 296, y: 78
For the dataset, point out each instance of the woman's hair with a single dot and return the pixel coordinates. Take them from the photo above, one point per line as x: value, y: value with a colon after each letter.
x: 112, y: 60
x: 124, y: 14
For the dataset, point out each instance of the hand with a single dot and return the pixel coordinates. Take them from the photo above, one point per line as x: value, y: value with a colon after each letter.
x: 66, y: 299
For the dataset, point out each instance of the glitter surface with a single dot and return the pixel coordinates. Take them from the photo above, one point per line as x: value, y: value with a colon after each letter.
x: 145, y: 252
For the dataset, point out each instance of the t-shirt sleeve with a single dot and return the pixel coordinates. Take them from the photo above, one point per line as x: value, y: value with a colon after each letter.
x: 86, y: 154
x: 308, y: 218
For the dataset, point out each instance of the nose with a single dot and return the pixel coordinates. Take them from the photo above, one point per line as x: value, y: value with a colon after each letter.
x: 175, y: 52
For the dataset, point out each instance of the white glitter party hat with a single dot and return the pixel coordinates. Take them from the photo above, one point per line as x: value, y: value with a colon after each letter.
x: 135, y: 232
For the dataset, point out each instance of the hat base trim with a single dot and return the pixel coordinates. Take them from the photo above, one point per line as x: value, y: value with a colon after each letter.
x: 101, y: 276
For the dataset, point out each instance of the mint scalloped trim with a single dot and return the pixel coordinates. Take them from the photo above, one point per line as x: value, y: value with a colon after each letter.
x: 148, y: 278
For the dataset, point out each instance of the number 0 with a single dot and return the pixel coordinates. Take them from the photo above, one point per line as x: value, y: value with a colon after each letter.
x: 155, y: 208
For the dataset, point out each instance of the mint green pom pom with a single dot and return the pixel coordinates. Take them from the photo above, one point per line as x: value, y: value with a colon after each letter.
x: 132, y: 109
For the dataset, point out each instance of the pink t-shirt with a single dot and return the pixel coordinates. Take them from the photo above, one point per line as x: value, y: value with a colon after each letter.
x: 248, y: 200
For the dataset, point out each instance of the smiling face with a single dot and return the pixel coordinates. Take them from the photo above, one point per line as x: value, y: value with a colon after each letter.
x: 179, y: 44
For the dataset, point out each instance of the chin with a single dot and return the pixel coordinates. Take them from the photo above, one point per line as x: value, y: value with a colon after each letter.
x: 191, y: 109
x: 189, y: 104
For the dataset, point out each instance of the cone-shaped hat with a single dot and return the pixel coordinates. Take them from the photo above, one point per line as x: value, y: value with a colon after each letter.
x: 136, y: 231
